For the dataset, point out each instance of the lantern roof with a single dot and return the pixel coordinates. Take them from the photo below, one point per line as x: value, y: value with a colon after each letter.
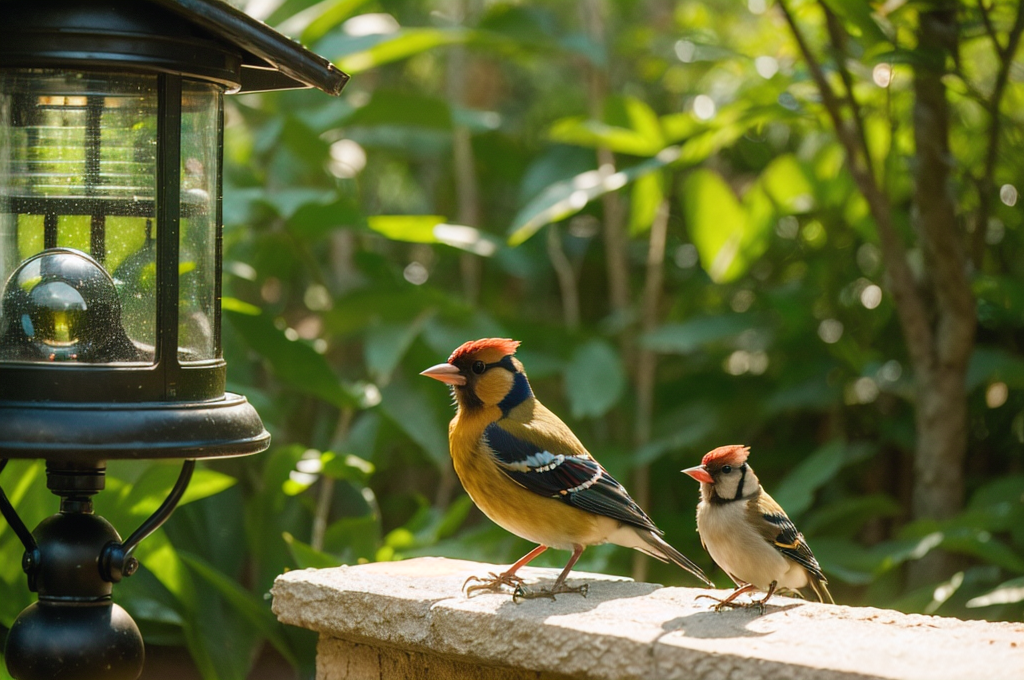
x: 272, y: 60
x: 204, y: 38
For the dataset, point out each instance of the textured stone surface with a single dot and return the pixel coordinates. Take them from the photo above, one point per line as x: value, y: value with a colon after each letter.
x: 414, y: 612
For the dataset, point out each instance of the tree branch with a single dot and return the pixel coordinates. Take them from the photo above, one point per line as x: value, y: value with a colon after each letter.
x: 986, y: 185
x: 838, y: 36
x: 647, y: 363
x: 566, y: 278
x: 986, y: 18
x: 615, y: 239
x: 467, y: 190
x: 909, y: 304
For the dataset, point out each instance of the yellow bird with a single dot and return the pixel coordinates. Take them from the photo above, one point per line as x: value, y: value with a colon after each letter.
x: 527, y: 471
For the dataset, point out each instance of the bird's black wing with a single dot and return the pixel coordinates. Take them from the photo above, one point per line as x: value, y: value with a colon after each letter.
x: 780, y: 531
x: 577, y: 480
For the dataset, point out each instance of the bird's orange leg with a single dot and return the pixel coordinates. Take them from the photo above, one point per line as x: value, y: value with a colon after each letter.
x: 728, y: 602
x: 522, y: 593
x: 506, y: 578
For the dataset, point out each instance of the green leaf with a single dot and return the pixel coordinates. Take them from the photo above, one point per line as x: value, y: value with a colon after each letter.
x: 347, y: 466
x: 294, y: 362
x: 846, y: 516
x: 983, y: 545
x: 387, y: 343
x: 566, y: 198
x: 859, y: 16
x: 788, y: 184
x: 252, y: 609
x: 594, y: 379
x: 691, y: 424
x: 433, y: 229
x: 323, y: 17
x: 727, y: 240
x: 1010, y: 592
x: 796, y: 493
x: 402, y: 109
x: 400, y: 45
x: 410, y: 410
x: 691, y: 336
x: 990, y: 364
x: 308, y: 557
x: 581, y: 131
x: 647, y: 197
x: 150, y: 490
x: 287, y: 202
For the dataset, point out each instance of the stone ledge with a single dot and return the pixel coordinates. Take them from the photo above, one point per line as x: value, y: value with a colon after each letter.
x: 621, y: 630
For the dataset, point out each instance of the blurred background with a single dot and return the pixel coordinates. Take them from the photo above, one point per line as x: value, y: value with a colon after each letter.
x: 789, y: 226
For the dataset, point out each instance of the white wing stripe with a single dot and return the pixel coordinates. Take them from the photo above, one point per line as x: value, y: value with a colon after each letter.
x: 585, y: 485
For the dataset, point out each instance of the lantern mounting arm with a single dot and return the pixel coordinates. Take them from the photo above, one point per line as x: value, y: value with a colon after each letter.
x: 116, y: 560
x: 11, y: 515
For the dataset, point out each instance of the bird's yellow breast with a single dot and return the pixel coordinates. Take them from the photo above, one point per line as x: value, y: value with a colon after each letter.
x: 546, y: 521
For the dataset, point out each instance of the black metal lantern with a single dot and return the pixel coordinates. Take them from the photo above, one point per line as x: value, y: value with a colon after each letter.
x: 111, y: 133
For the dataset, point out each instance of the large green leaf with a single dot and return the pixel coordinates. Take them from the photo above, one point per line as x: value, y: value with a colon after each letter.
x: 645, y: 202
x: 1010, y: 592
x: 433, y: 229
x: 690, y: 336
x: 859, y: 17
x: 316, y: 21
x: 399, y: 45
x: 294, y: 362
x: 152, y: 488
x: 636, y: 131
x: 308, y: 557
x: 410, y: 410
x: 594, y: 379
x: 250, y: 607
x: 394, y: 108
x: 796, y: 492
x: 728, y: 241
x: 566, y: 198
x: 786, y: 181
x: 387, y: 343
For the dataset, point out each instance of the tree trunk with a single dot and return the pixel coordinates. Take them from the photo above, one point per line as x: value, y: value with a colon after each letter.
x: 936, y: 313
x: 940, y: 374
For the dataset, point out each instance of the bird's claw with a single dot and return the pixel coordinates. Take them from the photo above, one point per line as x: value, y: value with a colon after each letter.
x: 492, y: 584
x: 728, y: 603
x: 521, y: 593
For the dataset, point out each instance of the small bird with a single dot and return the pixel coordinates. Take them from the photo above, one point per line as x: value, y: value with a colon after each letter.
x: 748, y: 534
x: 527, y: 471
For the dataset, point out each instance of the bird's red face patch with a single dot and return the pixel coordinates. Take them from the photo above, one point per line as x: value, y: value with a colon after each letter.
x: 504, y: 346
x: 734, y: 455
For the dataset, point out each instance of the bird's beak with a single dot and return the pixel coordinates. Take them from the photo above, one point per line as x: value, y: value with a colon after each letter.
x: 700, y: 473
x: 446, y: 373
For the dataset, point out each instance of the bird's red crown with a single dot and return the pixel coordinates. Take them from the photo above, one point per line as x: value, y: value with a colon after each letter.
x: 734, y: 454
x: 504, y: 345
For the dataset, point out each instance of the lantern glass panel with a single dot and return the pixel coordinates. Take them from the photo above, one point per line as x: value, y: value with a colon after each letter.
x: 78, y: 154
x: 200, y: 187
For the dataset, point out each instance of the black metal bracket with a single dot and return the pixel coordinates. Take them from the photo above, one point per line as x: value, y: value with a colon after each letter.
x: 116, y: 560
x: 30, y: 560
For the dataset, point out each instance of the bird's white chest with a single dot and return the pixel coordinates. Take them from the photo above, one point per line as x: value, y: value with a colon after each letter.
x: 739, y: 549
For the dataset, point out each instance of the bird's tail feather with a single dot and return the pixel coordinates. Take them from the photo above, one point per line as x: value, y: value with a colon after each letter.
x: 818, y: 586
x: 659, y: 548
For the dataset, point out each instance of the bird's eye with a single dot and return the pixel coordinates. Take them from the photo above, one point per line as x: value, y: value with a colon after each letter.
x: 726, y: 469
x: 479, y: 367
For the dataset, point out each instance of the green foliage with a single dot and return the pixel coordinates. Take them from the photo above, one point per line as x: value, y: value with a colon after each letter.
x: 368, y: 236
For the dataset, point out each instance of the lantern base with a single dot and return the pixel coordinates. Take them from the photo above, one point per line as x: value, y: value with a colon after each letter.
x: 67, y: 431
x: 74, y: 641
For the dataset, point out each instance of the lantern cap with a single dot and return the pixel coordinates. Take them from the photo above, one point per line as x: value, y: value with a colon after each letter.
x: 207, y: 39
x: 273, y: 61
